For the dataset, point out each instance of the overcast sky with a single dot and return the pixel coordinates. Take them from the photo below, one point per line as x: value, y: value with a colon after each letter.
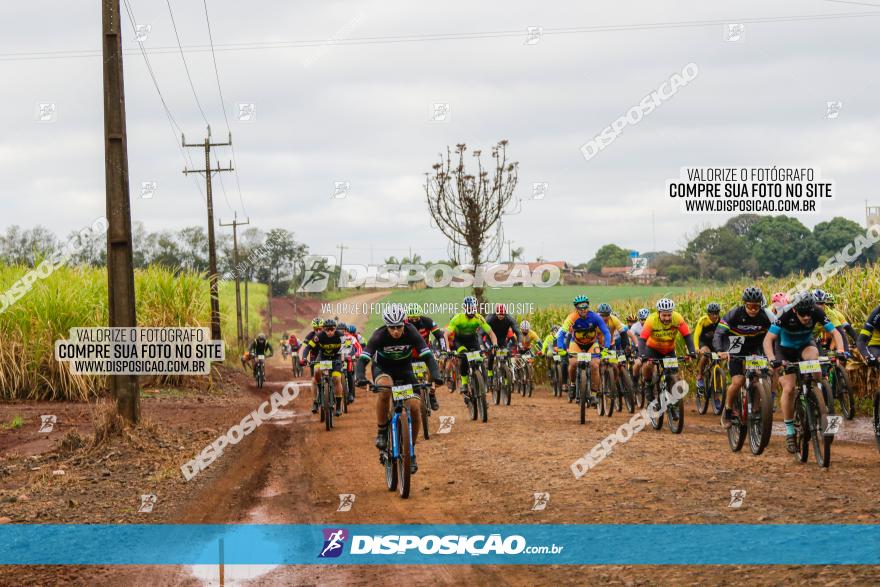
x: 360, y: 112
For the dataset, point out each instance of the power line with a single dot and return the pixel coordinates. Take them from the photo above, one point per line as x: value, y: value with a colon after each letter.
x: 185, y: 66
x: 223, y: 106
x: 175, y: 130
x: 390, y: 39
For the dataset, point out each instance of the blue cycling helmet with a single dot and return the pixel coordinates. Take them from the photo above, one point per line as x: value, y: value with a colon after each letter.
x: 352, y: 328
x: 604, y: 308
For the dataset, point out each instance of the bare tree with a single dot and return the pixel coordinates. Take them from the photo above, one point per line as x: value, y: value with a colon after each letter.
x: 468, y: 207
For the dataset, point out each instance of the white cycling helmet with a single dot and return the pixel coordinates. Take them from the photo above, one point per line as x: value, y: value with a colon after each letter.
x: 525, y: 326
x: 665, y: 305
x: 394, y: 315
x: 644, y: 313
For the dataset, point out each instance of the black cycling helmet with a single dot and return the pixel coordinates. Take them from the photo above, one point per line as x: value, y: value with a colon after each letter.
x: 329, y: 323
x: 713, y: 308
x: 806, y: 303
x: 752, y: 294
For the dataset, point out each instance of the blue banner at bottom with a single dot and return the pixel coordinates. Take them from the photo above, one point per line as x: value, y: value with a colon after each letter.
x: 523, y: 544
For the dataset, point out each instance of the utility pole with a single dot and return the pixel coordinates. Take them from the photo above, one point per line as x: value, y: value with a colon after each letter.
x: 120, y: 267
x: 341, y: 248
x: 247, y: 336
x: 235, y: 224
x: 212, y: 249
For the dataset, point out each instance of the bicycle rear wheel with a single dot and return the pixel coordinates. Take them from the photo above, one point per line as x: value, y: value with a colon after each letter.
x: 818, y: 418
x: 701, y: 398
x: 403, y: 473
x: 761, y: 418
x: 843, y: 393
x: 625, y: 388
x: 877, y: 418
x: 607, y: 383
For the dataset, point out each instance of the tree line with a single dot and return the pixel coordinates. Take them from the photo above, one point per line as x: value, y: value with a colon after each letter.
x: 268, y: 257
x: 746, y: 245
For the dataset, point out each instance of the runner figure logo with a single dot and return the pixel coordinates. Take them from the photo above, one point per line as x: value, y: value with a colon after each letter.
x: 334, y: 540
x: 47, y: 423
x: 541, y: 500
x: 148, y: 500
x: 736, y: 344
x: 346, y: 500
x: 736, y: 498
x: 446, y: 423
x: 834, y: 424
x: 316, y: 273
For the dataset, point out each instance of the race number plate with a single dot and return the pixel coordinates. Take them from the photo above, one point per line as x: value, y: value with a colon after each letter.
x: 584, y: 357
x: 670, y: 362
x: 261, y: 357
x: 756, y: 363
x: 502, y: 352
x: 473, y: 356
x: 824, y: 359
x: 810, y: 366
x: 325, y: 364
x: 611, y: 358
x: 621, y: 357
x: 557, y: 358
x: 402, y: 392
x: 419, y: 367
x: 714, y: 356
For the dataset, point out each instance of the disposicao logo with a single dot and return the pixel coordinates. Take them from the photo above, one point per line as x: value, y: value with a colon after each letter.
x: 334, y: 540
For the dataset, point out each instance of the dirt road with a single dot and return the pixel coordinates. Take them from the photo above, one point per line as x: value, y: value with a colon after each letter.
x: 292, y: 471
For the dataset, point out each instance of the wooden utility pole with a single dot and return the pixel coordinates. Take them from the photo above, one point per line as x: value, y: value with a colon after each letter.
x: 235, y: 224
x: 339, y: 278
x: 212, y: 249
x: 247, y: 336
x: 120, y: 268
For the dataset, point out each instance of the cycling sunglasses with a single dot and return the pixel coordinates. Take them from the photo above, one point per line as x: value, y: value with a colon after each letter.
x: 583, y: 306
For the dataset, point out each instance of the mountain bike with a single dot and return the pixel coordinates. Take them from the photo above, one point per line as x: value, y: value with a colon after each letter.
x: 325, y: 392
x: 715, y: 389
x: 554, y: 369
x: 810, y: 414
x: 285, y: 350
x: 450, y: 371
x: 607, y: 396
x: 400, y: 450
x: 502, y: 377
x: 664, y: 379
x: 420, y: 370
x: 523, y: 374
x: 581, y: 384
x: 260, y: 370
x: 477, y: 404
x: 875, y: 371
x: 752, y: 407
x: 839, y: 389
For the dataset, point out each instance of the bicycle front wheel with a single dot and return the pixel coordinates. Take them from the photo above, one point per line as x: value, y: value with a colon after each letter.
x: 844, y: 394
x: 403, y: 472
x: 818, y: 417
x: 761, y: 418
x: 736, y: 434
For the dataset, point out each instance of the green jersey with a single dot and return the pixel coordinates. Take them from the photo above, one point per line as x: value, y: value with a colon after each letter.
x: 461, y: 325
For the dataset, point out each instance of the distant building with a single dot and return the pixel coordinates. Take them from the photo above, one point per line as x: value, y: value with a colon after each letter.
x: 624, y: 274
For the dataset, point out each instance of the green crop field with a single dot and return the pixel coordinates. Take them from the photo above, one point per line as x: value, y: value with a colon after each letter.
x: 523, y: 300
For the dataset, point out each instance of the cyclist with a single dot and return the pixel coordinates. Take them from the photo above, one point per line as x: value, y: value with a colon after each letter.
x: 617, y: 328
x: 327, y: 346
x: 837, y: 319
x: 351, y: 350
x: 316, y: 328
x: 868, y: 341
x: 426, y: 328
x: 282, y: 343
x: 465, y: 327
x: 391, y: 348
x: 529, y: 337
x: 703, y: 333
x: 657, y: 340
x: 794, y: 329
x: 548, y: 346
x: 579, y: 334
x: 352, y: 330
x: 259, y: 346
x: 501, y: 323
x: 747, y: 325
x: 635, y: 333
